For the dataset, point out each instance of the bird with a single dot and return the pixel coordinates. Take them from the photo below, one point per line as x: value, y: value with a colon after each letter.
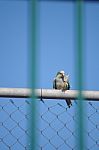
x: 61, y: 82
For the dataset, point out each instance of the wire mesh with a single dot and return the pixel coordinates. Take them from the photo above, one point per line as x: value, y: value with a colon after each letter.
x: 56, y: 128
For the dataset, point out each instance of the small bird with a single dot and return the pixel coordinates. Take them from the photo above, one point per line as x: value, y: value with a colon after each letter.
x: 61, y: 82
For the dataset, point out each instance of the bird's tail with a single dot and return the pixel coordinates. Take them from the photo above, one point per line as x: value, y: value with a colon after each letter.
x: 69, y: 103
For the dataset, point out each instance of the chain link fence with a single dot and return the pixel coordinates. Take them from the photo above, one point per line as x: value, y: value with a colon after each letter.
x: 56, y: 125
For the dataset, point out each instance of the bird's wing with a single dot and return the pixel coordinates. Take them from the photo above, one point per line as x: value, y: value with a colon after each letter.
x: 68, y: 86
x: 54, y: 83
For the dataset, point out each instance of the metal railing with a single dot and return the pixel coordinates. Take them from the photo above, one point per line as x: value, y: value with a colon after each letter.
x: 47, y: 93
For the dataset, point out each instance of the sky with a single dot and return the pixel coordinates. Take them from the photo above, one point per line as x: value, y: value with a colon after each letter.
x: 56, y: 51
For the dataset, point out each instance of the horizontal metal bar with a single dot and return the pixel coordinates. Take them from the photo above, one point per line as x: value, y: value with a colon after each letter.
x: 47, y: 93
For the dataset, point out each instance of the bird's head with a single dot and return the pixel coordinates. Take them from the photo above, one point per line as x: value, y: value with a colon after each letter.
x: 60, y: 74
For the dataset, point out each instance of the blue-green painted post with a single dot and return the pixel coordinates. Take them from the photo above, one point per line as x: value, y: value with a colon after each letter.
x: 80, y: 71
x: 32, y: 70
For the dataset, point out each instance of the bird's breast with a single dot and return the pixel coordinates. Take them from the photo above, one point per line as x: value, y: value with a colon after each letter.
x: 59, y: 84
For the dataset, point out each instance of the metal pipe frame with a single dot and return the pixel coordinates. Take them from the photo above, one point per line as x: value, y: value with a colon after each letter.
x: 47, y: 94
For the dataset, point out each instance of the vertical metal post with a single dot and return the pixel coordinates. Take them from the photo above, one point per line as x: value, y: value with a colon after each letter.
x: 79, y: 71
x: 32, y: 71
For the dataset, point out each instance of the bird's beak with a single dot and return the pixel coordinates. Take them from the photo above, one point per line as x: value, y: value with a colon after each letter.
x: 63, y: 74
